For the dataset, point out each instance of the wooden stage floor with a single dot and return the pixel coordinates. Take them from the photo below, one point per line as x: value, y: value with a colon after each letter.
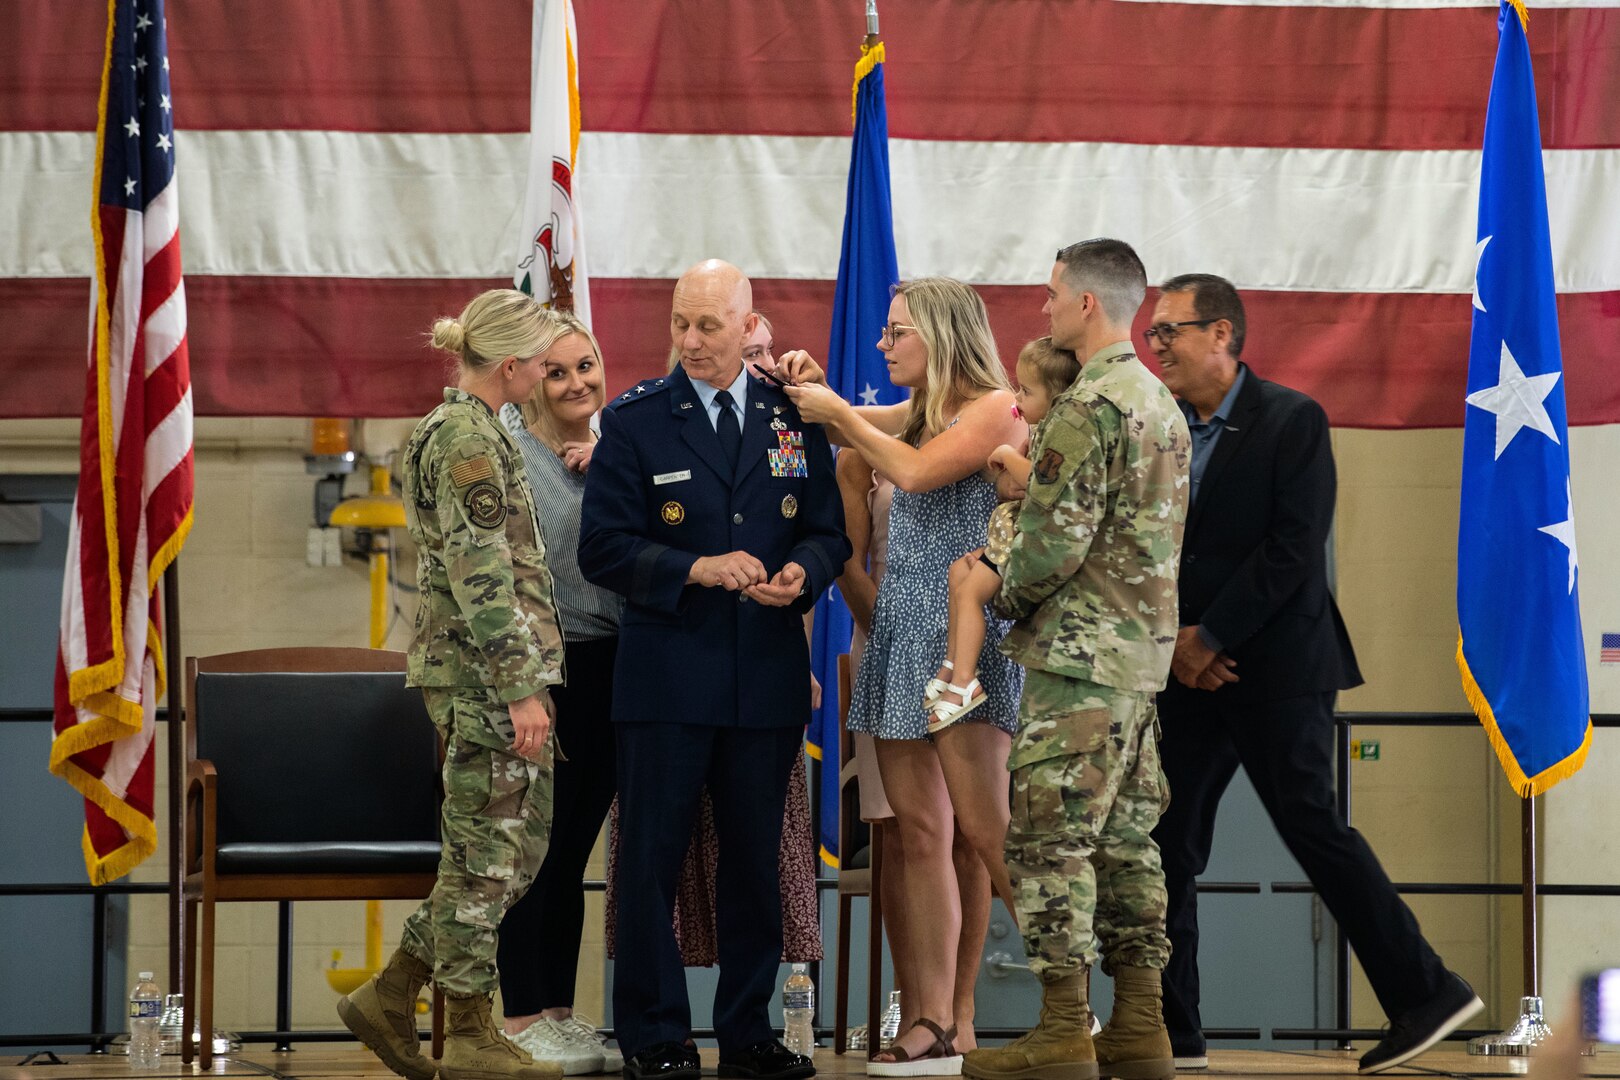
x: 318, y: 1062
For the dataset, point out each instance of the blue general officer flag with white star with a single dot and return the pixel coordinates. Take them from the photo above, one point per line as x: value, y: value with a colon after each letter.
x: 867, y: 268
x: 1520, y: 649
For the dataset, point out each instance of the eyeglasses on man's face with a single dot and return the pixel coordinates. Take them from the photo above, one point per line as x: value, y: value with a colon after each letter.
x: 1169, y: 331
x: 895, y: 331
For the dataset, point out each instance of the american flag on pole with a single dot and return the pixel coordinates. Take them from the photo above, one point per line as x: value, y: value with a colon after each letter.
x: 133, y: 508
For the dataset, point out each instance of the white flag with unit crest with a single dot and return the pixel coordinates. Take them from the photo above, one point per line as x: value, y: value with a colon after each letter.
x: 551, y: 249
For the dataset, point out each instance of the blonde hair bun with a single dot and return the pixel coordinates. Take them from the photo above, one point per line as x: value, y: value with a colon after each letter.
x: 449, y: 335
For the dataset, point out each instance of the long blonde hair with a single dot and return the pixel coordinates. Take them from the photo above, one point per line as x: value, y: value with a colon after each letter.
x: 537, y: 408
x: 962, y: 360
x: 494, y: 325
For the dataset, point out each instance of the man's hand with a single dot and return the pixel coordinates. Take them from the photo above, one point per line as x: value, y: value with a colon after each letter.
x: 1218, y: 674
x: 1191, y: 657
x: 1009, y: 488
x: 815, y: 693
x: 531, y: 724
x: 797, y: 367
x: 782, y: 589
x: 817, y: 404
x: 577, y: 455
x: 733, y: 571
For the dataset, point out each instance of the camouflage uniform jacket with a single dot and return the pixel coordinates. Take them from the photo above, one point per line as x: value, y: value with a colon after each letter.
x: 487, y: 616
x: 1091, y: 577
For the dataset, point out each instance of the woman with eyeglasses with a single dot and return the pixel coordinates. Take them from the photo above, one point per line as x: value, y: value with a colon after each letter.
x: 937, y: 342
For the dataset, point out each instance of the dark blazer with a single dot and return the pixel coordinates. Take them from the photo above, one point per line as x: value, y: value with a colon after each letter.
x: 1254, y: 556
x: 657, y: 497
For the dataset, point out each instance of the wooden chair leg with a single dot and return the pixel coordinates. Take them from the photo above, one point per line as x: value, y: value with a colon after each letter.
x: 188, y: 1015
x: 841, y: 988
x: 438, y: 1024
x: 874, y: 948
x: 205, y: 988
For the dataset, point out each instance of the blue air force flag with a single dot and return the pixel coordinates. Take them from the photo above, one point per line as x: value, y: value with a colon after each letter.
x: 1520, y: 649
x: 856, y: 369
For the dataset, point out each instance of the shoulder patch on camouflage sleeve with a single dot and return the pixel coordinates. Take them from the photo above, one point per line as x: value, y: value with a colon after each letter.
x: 485, y: 507
x: 1049, y: 466
x: 1066, y: 443
x: 463, y: 473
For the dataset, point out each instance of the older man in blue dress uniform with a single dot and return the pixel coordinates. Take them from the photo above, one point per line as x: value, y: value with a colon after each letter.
x: 714, y: 510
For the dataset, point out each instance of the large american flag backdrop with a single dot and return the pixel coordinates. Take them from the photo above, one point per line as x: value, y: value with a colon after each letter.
x: 352, y: 170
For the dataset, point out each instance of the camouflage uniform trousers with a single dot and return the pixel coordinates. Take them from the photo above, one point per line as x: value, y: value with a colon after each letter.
x: 1087, y: 792
x: 494, y: 828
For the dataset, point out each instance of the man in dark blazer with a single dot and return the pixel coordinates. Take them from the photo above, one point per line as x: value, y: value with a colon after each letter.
x: 714, y: 510
x: 1260, y: 655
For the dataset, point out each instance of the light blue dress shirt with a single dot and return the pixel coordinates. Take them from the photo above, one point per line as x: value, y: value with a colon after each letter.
x: 739, y: 399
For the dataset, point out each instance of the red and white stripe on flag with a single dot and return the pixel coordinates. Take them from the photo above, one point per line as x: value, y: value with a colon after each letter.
x: 134, y: 502
x: 367, y: 175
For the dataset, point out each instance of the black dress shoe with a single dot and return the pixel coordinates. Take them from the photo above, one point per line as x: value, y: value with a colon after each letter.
x: 663, y: 1061
x: 768, y: 1060
x: 1415, y: 1030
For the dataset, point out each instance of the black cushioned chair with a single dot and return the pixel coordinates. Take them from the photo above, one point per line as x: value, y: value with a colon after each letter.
x: 311, y: 774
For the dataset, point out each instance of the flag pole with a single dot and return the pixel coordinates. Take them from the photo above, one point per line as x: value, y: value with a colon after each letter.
x: 1530, y: 1031
x: 177, y: 778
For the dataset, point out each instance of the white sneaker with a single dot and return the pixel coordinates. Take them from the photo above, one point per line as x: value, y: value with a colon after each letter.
x: 586, y: 1034
x: 546, y: 1040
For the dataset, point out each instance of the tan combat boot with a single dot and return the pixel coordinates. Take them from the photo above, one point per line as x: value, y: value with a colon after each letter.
x: 382, y: 1014
x: 1134, y: 1044
x: 1058, y: 1049
x: 474, y: 1049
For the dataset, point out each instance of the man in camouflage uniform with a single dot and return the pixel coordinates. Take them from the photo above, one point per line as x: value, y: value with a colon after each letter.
x: 1091, y: 579
x: 487, y: 644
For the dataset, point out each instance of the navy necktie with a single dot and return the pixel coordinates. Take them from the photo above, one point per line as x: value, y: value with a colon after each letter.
x: 728, y: 429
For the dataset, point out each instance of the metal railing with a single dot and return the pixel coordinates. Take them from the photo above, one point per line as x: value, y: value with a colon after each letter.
x: 98, y: 1038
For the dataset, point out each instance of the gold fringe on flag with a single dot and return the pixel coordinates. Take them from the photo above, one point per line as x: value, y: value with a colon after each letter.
x: 1526, y: 786
x: 871, y: 57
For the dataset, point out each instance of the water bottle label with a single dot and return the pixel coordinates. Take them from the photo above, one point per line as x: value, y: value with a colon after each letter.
x: 796, y: 999
x: 141, y: 1010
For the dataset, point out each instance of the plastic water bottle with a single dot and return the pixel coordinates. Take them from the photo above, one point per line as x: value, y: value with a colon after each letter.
x: 798, y: 1011
x: 890, y: 1029
x: 145, y: 1004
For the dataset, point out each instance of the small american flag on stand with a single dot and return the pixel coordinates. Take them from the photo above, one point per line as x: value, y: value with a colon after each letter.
x: 1610, y: 651
x: 134, y: 503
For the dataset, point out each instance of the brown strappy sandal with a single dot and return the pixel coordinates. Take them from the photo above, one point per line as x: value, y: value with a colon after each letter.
x: 940, y: 1059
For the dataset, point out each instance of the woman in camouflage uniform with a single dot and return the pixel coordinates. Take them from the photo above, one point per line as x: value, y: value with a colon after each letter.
x: 487, y: 645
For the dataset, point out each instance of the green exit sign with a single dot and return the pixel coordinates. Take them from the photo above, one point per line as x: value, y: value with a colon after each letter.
x: 1364, y: 749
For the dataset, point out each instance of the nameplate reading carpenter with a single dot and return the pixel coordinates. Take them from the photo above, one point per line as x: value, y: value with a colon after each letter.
x: 672, y: 477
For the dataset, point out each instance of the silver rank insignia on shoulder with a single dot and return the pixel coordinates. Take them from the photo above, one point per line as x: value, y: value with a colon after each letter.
x: 790, y: 506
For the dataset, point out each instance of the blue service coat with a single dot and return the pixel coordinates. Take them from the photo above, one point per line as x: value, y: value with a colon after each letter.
x: 657, y: 497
